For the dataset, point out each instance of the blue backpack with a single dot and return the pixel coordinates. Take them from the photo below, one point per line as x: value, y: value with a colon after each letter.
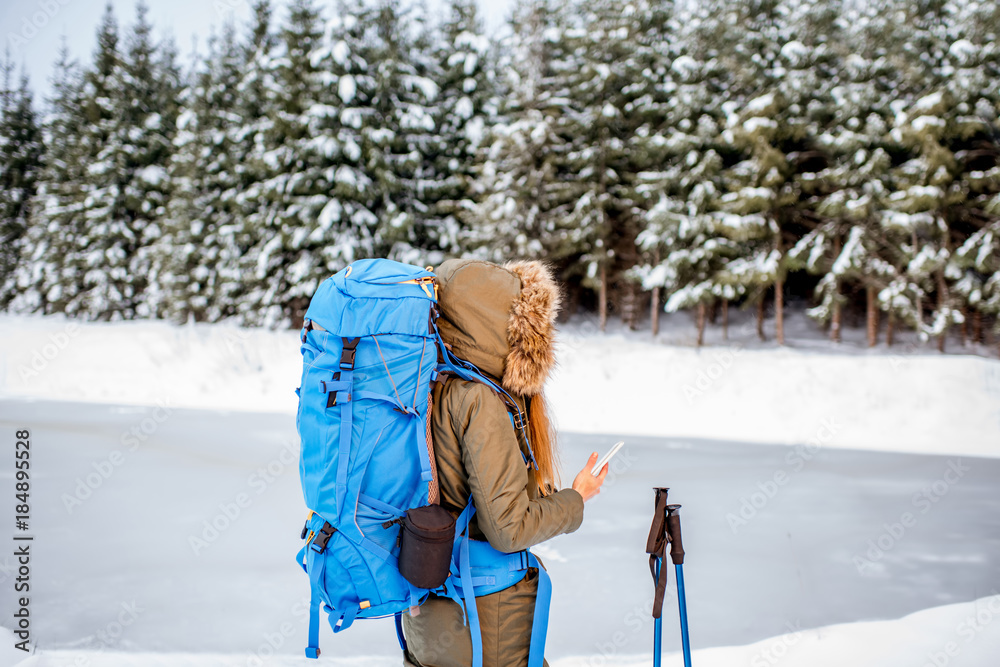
x: 370, y: 351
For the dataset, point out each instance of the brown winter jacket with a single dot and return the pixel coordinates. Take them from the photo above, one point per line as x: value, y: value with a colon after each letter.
x: 499, y: 318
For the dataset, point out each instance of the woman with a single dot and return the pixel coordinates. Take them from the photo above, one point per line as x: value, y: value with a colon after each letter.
x: 502, y: 320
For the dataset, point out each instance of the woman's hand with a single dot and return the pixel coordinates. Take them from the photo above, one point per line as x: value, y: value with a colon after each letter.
x: 588, y: 485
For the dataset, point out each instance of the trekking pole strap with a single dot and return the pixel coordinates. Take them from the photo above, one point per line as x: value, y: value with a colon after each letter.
x: 656, y: 547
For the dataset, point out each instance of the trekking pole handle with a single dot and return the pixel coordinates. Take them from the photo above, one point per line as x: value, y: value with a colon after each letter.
x: 674, y: 532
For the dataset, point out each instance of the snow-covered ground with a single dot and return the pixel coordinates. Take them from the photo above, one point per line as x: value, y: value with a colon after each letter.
x: 907, y: 399
x: 959, y: 635
x: 910, y: 400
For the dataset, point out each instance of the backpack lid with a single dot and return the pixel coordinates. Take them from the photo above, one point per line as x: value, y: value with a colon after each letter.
x: 375, y: 296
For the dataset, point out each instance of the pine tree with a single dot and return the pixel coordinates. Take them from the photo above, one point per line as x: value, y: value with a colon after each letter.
x: 759, y: 191
x: 21, y: 152
x: 466, y: 106
x: 679, y: 134
x: 198, y: 256
x: 402, y: 138
x: 48, y: 277
x: 130, y: 105
x: 290, y: 197
x: 82, y: 118
x: 972, y: 66
x: 521, y: 200
x: 923, y: 186
x: 850, y: 187
x: 249, y: 136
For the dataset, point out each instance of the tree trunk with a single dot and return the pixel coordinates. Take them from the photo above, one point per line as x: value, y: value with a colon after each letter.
x: 654, y: 310
x: 977, y: 326
x: 872, y: 317
x: 920, y: 301
x: 654, y: 301
x: 942, y: 300
x: 964, y: 329
x: 835, y: 323
x: 890, y: 329
x: 725, y: 319
x: 779, y: 311
x: 602, y: 298
x: 630, y: 306
x: 701, y: 324
x: 713, y: 313
x: 760, y: 318
x: 835, y: 317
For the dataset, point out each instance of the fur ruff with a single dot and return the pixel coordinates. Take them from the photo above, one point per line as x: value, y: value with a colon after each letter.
x: 531, y: 329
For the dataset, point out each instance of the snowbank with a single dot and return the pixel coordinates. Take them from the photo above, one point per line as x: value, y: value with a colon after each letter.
x: 959, y: 635
x: 615, y: 383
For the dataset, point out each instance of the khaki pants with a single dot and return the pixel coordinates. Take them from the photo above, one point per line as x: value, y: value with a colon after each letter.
x: 438, y: 637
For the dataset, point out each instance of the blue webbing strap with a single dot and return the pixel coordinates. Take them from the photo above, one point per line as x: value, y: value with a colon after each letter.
x: 540, y: 623
x: 469, y: 590
x: 399, y: 631
x: 377, y: 504
x: 517, y: 561
x: 315, y: 601
x: 346, y: 418
x: 312, y: 651
x: 344, y: 451
x: 345, y: 621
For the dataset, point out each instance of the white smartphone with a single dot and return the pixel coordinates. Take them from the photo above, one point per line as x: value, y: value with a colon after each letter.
x: 607, y: 457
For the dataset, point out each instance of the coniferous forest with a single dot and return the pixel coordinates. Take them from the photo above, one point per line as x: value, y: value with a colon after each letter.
x: 837, y: 157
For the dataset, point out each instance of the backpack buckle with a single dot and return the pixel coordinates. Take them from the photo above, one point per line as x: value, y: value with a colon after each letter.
x: 348, y: 353
x: 519, y: 421
x: 323, y: 537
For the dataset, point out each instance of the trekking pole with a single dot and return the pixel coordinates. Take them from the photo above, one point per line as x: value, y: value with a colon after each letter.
x: 677, y: 556
x: 656, y: 547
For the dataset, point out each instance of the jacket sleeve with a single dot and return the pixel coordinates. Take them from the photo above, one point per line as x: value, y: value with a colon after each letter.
x: 498, y: 479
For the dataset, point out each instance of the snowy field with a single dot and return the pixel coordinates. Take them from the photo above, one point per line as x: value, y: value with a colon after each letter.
x: 908, y: 399
x: 860, y: 434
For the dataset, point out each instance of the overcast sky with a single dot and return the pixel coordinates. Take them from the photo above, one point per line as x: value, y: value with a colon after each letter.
x: 33, y: 29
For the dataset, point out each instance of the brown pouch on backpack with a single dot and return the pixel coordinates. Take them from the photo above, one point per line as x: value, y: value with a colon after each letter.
x: 427, y: 535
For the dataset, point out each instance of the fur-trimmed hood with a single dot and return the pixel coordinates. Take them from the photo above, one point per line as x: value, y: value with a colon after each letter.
x: 501, y: 318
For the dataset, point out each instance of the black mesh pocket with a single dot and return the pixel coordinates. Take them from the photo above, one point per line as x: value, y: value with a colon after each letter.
x: 428, y: 534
